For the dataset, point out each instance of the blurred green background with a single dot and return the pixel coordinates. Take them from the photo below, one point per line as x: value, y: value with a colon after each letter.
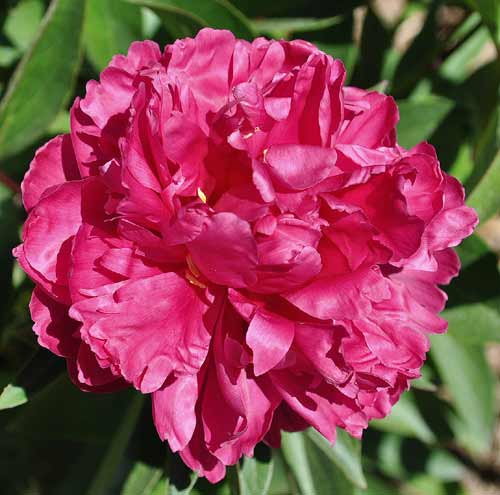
x: 440, y: 60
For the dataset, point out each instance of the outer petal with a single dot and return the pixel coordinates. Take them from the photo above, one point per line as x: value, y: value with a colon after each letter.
x: 149, y: 341
x: 48, y: 234
x: 174, y: 410
x: 54, y: 163
x: 55, y: 329
x: 87, y: 374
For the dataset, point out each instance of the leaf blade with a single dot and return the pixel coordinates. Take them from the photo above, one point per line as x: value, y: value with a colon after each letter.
x: 43, y: 79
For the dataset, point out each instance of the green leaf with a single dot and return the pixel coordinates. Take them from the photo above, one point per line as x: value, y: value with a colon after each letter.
x: 471, y: 386
x: 12, y: 396
x: 142, y: 479
x: 423, y: 483
x: 390, y: 459
x: 346, y: 454
x: 419, y: 118
x: 8, y: 55
x: 256, y: 473
x: 75, y: 418
x: 39, y: 372
x: 43, y: 80
x: 185, y: 17
x: 175, y: 490
x: 378, y: 487
x: 485, y: 197
x: 375, y: 41
x: 285, y: 27
x: 459, y: 65
x: 417, y: 60
x: 474, y: 323
x: 337, y: 41
x: 313, y: 470
x: 105, y: 476
x: 490, y: 12
x: 110, y: 27
x: 405, y: 419
x: 471, y: 250
x: 61, y: 124
x: 10, y: 217
x: 444, y: 466
x: 423, y: 384
x: 22, y: 23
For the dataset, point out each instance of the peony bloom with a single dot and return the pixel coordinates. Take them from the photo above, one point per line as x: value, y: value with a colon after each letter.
x: 229, y: 228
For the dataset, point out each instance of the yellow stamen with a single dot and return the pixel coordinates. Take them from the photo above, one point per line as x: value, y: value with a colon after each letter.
x: 202, y: 195
x: 192, y: 267
x: 193, y: 280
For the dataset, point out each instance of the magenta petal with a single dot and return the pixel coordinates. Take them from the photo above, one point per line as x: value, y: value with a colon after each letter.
x: 55, y: 329
x: 269, y: 337
x: 225, y: 251
x: 149, y: 342
x: 50, y: 228
x: 300, y: 166
x: 89, y: 375
x: 173, y: 410
x: 54, y: 163
x: 342, y: 297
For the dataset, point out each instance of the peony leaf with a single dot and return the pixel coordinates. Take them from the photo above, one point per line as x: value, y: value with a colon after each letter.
x: 12, y: 396
x: 484, y: 198
x: 471, y: 249
x: 474, y: 323
x: 22, y: 23
x: 460, y: 63
x: 43, y: 79
x: 10, y: 217
x: 312, y: 469
x: 256, y: 473
x: 75, y: 419
x: 425, y: 382
x: 8, y: 55
x: 183, y: 18
x: 346, y: 454
x: 444, y: 466
x: 423, y: 483
x: 378, y: 487
x: 420, y: 117
x: 405, y: 419
x: 418, y: 58
x: 186, y: 490
x: 103, y: 480
x: 376, y: 39
x: 471, y: 385
x: 285, y: 27
x: 490, y: 12
x: 110, y: 27
x: 38, y: 373
x: 142, y: 479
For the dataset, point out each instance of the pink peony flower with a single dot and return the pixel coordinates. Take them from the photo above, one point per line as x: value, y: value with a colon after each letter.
x: 229, y: 228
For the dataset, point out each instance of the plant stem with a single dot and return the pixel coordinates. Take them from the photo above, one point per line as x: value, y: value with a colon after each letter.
x: 9, y: 183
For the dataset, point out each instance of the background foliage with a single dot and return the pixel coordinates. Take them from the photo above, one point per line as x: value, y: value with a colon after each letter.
x: 440, y: 60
